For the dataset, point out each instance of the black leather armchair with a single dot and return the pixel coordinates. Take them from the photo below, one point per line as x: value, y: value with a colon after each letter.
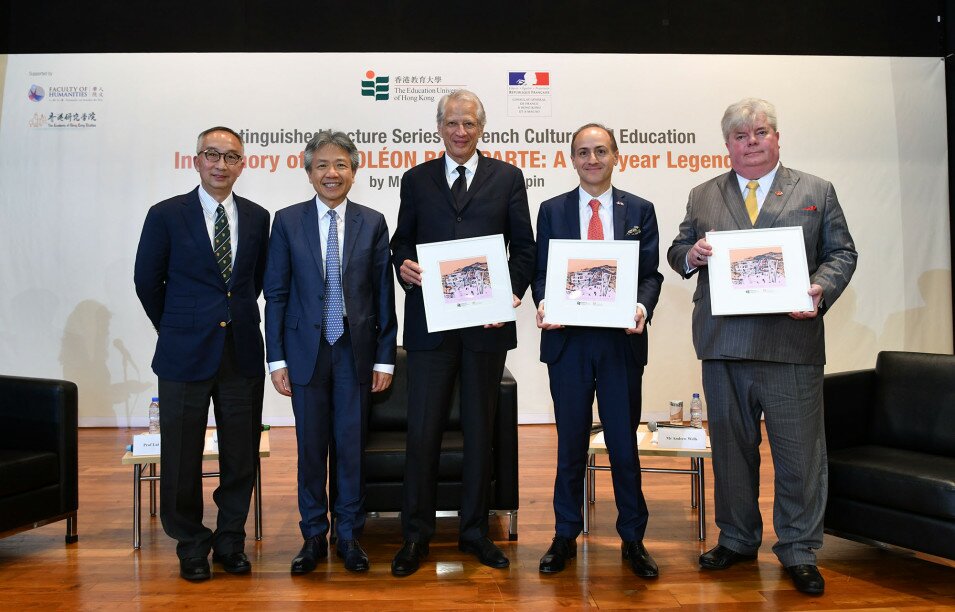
x: 385, y: 451
x: 38, y: 454
x: 890, y: 434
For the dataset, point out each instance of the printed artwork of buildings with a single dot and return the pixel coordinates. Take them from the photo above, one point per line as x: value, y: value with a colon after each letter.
x: 470, y: 282
x: 593, y: 282
x: 765, y: 269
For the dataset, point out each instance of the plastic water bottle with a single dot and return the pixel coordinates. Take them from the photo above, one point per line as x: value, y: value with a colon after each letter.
x: 154, y: 416
x: 696, y: 411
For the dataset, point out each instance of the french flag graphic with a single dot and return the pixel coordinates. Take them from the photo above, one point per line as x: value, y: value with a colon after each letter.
x: 537, y: 79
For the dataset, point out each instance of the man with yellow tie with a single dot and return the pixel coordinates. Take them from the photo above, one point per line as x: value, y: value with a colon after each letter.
x: 765, y: 365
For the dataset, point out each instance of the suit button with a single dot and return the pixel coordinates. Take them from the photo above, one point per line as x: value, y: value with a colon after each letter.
x: 459, y: 219
x: 222, y: 323
x: 228, y: 294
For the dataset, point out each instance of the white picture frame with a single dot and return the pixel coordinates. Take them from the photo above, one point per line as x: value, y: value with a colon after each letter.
x: 758, y: 271
x: 465, y: 283
x: 599, y: 297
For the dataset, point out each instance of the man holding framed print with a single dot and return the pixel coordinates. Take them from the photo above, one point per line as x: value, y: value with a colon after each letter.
x: 608, y: 362
x: 462, y: 194
x: 765, y: 364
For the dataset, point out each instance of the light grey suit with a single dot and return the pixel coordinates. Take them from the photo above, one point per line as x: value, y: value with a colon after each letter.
x: 768, y: 364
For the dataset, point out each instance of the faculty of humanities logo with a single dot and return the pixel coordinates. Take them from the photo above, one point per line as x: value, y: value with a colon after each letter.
x: 376, y: 86
x: 36, y: 93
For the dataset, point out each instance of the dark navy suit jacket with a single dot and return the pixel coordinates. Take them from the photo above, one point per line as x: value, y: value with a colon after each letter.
x: 633, y: 219
x: 179, y: 284
x: 295, y: 290
x: 496, y: 203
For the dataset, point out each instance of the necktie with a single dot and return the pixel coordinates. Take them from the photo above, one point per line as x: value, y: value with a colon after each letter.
x: 333, y: 323
x: 751, y: 206
x: 595, y: 231
x: 223, y: 244
x: 460, y: 187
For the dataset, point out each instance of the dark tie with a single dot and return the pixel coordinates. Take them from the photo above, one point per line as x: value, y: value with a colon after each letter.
x: 460, y: 187
x: 333, y: 323
x: 223, y: 244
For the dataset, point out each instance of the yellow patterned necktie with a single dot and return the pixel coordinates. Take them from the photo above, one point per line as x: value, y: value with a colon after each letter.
x: 751, y: 206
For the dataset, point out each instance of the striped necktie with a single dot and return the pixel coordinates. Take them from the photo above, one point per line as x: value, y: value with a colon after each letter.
x: 223, y: 244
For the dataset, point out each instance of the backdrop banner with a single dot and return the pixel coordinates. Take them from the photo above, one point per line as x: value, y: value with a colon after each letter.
x: 89, y: 142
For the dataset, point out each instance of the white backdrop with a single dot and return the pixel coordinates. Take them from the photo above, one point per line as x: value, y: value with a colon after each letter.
x: 89, y: 142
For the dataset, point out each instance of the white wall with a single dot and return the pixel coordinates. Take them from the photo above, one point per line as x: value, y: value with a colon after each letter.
x: 73, y: 197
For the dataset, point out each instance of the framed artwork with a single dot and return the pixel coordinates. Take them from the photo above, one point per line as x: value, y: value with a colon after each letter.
x: 758, y: 271
x: 465, y: 282
x: 592, y: 283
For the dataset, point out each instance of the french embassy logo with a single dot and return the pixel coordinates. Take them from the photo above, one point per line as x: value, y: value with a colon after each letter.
x: 36, y: 93
x: 374, y: 86
x: 534, y: 79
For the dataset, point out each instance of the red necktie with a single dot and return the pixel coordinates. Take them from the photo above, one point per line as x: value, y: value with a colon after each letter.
x: 595, y: 231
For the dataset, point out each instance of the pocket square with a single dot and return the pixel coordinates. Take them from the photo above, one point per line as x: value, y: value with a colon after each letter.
x: 634, y: 231
x: 811, y: 208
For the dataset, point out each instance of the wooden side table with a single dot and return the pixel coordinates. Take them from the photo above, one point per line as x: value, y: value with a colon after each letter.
x: 141, y: 462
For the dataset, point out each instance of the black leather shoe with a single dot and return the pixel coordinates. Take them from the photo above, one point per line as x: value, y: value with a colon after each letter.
x: 556, y: 556
x: 720, y: 557
x: 195, y: 569
x: 486, y: 551
x: 641, y: 562
x: 807, y: 579
x: 307, y: 559
x: 355, y: 558
x: 234, y: 563
x: 408, y: 558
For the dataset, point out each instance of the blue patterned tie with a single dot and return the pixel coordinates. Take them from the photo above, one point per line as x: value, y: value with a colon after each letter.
x: 333, y: 324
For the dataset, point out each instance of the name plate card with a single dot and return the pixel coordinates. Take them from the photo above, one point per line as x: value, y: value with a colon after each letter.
x: 146, y: 444
x: 681, y: 437
x: 212, y: 441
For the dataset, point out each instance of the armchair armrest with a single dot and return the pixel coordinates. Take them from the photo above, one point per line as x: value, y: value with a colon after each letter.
x: 42, y: 414
x: 505, y: 445
x: 848, y: 397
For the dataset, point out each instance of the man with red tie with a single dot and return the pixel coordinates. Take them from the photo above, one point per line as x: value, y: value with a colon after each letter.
x: 584, y: 361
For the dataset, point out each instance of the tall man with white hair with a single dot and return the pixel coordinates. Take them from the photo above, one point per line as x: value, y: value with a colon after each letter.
x: 462, y: 194
x: 769, y: 365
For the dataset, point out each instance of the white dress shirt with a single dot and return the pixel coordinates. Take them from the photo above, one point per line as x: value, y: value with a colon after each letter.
x: 324, y: 222
x: 451, y: 169
x: 209, y: 207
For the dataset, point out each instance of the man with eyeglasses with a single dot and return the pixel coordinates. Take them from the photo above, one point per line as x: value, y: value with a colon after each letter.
x: 462, y: 194
x: 584, y: 361
x: 198, y: 274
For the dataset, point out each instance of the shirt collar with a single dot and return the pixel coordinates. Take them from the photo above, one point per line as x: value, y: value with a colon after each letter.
x: 210, y: 205
x: 765, y: 181
x: 585, y: 198
x: 323, y: 209
x: 451, y: 166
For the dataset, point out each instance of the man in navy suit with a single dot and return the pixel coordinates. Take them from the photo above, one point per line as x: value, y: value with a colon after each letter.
x: 330, y: 333
x: 198, y: 274
x: 462, y: 194
x: 585, y: 360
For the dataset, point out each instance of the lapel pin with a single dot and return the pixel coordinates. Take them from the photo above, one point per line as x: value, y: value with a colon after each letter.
x: 779, y: 193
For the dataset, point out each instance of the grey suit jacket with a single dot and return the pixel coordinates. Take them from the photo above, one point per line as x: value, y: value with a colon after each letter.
x: 795, y: 199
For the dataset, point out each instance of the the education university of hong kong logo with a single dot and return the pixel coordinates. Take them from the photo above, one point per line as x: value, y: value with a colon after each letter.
x: 374, y: 86
x: 36, y: 93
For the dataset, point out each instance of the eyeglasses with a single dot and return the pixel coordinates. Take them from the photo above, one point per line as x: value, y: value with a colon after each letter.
x: 213, y: 156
